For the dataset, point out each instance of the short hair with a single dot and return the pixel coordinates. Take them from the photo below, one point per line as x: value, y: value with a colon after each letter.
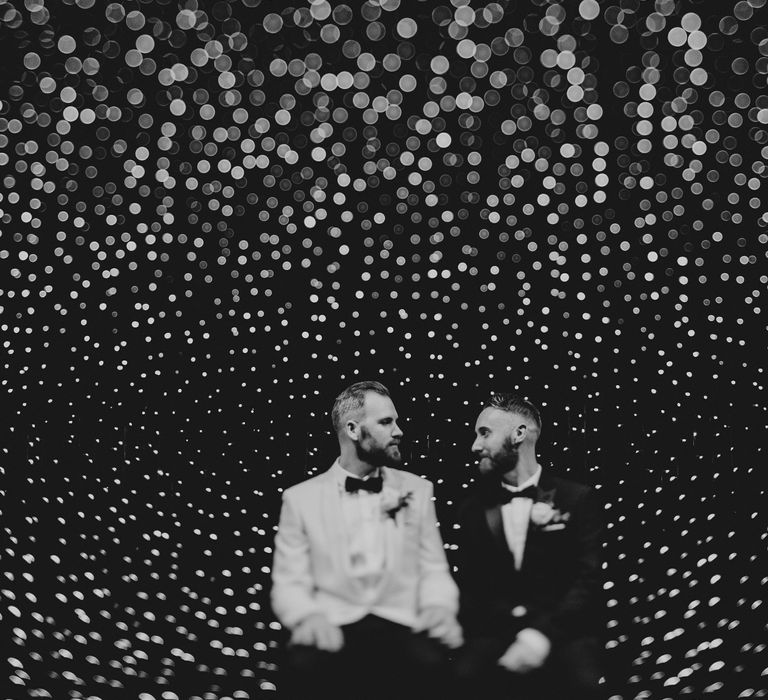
x: 352, y: 400
x: 514, y: 403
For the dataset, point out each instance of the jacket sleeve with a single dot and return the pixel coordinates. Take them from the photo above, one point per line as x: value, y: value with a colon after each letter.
x: 436, y: 585
x: 577, y: 610
x: 292, y: 583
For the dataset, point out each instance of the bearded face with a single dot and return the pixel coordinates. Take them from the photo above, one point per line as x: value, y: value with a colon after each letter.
x: 498, y: 441
x: 380, y: 450
x: 499, y: 459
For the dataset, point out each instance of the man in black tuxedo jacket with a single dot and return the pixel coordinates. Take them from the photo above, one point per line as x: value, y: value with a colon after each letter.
x: 529, y: 569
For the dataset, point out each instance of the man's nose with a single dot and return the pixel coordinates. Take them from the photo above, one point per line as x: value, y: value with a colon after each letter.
x: 476, y: 445
x: 396, y: 432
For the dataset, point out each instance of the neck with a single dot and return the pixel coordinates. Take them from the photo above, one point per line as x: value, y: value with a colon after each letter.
x: 524, y: 469
x: 350, y: 462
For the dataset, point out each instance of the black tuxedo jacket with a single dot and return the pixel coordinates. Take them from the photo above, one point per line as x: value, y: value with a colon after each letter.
x: 558, y: 589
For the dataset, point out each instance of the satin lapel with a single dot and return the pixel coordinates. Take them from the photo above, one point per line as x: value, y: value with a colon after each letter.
x: 533, y: 539
x: 333, y: 522
x: 393, y: 529
x: 546, y: 489
x: 496, y: 526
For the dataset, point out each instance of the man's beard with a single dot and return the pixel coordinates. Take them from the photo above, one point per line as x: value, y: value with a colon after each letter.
x: 505, y: 459
x: 376, y: 455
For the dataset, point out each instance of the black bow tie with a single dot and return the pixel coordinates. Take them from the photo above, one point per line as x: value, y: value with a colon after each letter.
x: 505, y: 495
x: 373, y: 485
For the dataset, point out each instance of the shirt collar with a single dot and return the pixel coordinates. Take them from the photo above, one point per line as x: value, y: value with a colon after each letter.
x: 532, y: 480
x: 340, y: 474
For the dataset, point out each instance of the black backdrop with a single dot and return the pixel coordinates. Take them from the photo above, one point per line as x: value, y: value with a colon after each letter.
x: 215, y: 215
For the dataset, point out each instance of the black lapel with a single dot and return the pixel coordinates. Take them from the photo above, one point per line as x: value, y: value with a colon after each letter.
x: 546, y: 488
x: 496, y: 526
x: 545, y: 493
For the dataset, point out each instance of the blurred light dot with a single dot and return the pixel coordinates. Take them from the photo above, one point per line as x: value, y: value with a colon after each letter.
x: 66, y: 44
x: 677, y: 36
x: 589, y: 9
x: 690, y: 22
x: 407, y: 28
x: 273, y: 23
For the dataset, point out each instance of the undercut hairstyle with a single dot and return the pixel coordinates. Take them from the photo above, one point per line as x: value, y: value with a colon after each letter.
x: 514, y: 403
x: 352, y: 400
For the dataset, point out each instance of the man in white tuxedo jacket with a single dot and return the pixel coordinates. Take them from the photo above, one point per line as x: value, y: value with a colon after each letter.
x: 360, y: 577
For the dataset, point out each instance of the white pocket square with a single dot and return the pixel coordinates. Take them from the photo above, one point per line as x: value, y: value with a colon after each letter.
x: 553, y: 526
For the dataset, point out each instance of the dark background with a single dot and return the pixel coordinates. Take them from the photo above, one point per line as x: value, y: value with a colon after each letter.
x: 173, y: 337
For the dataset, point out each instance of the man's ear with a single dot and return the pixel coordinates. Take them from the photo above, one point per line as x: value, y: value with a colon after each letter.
x: 352, y: 429
x: 520, y: 432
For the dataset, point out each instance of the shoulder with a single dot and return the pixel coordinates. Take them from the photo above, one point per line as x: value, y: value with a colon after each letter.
x: 573, y: 493
x: 407, y: 480
x: 307, y: 488
x: 569, y: 486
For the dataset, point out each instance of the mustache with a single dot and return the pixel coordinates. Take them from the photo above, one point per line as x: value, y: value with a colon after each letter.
x: 510, y: 449
x: 503, y: 460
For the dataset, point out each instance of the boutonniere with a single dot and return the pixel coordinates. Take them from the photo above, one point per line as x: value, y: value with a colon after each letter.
x: 392, y: 501
x: 544, y: 513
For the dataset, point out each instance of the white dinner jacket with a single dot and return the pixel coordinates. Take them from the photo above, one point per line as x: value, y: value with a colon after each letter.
x: 309, y: 572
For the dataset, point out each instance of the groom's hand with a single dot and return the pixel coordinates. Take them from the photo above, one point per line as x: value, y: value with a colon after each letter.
x: 527, y: 653
x: 316, y: 631
x: 441, y: 624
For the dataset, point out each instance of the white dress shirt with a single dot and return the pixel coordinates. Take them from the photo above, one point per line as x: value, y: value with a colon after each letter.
x: 364, y: 527
x: 516, y: 515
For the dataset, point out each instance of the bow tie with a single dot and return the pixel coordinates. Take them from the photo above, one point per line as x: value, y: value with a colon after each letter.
x: 505, y: 495
x: 372, y: 485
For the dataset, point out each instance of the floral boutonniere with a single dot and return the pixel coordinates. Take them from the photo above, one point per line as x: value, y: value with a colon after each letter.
x: 544, y: 513
x: 392, y: 501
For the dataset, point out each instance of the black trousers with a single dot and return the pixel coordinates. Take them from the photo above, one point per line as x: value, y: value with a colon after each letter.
x: 571, y: 672
x: 380, y: 660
